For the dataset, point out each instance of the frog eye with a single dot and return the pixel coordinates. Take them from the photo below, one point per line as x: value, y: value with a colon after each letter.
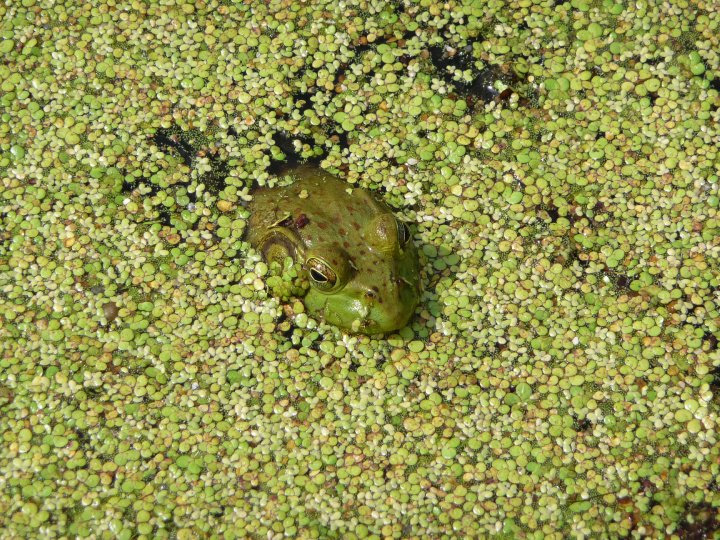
x: 403, y: 233
x: 322, y: 276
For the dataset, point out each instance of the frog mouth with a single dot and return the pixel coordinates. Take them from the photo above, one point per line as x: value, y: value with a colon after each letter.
x: 357, y: 316
x: 372, y: 320
x: 365, y: 325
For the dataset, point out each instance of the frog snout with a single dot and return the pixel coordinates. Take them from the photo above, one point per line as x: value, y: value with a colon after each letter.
x: 391, y: 307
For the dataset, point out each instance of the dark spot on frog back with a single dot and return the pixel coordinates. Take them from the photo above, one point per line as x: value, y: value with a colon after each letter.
x: 287, y: 222
x: 301, y: 221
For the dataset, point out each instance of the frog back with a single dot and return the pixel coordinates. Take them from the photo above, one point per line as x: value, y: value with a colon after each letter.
x: 317, y: 208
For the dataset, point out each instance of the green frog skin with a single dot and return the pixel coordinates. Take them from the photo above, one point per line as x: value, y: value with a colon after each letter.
x: 360, y: 260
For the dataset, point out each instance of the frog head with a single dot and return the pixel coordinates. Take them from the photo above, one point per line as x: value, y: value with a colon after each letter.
x: 371, y: 288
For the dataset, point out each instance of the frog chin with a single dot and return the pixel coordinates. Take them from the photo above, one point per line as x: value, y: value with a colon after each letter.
x: 342, y: 311
x: 354, y: 315
x: 382, y: 321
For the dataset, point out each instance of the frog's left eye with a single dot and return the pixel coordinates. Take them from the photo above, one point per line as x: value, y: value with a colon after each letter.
x: 403, y: 233
x: 321, y: 275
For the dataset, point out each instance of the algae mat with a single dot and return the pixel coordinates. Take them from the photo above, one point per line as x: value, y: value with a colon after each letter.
x: 560, y: 376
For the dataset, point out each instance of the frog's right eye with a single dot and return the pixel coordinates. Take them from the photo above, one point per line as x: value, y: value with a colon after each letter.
x: 321, y: 275
x: 403, y: 234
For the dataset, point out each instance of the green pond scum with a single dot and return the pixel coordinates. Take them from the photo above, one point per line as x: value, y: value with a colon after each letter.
x: 559, y: 375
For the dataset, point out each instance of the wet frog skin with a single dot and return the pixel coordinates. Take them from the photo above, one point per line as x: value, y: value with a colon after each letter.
x: 360, y: 260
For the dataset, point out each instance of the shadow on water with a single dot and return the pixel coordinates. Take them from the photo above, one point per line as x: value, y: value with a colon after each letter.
x: 181, y: 143
x: 291, y: 156
x: 189, y: 146
x: 166, y: 139
x: 701, y: 520
x: 482, y: 87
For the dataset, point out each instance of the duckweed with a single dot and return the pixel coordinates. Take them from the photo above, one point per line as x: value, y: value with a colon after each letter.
x: 560, y: 375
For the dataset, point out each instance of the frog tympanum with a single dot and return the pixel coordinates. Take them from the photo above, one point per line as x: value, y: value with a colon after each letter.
x: 360, y: 260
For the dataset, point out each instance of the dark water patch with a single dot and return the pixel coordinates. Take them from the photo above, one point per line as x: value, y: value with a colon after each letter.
x: 284, y: 326
x: 291, y: 157
x: 621, y: 281
x: 363, y: 44
x: 581, y: 425
x: 547, y: 212
x: 715, y: 85
x: 579, y: 257
x: 128, y: 186
x: 303, y: 99
x: 714, y: 373
x: 483, y: 86
x: 339, y: 138
x: 444, y: 57
x: 83, y: 438
x: 93, y: 392
x: 712, y: 342
x: 701, y: 522
x: 449, y: 61
x: 181, y: 143
x: 166, y: 139
x: 215, y: 179
x: 165, y: 218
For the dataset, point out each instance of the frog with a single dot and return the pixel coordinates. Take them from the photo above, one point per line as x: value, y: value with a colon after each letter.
x: 359, y: 259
